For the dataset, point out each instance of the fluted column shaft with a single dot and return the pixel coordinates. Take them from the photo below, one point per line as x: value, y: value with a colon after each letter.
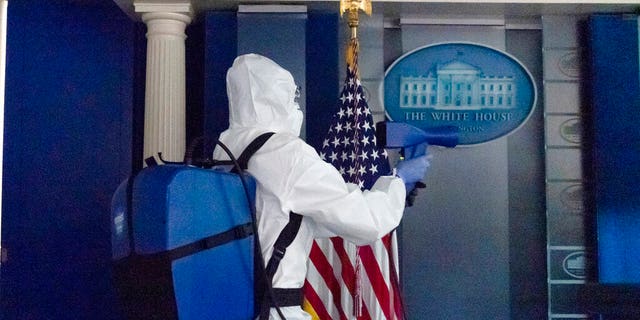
x: 164, y: 119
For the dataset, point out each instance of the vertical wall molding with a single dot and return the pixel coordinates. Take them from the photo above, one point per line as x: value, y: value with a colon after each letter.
x: 165, y: 93
x: 3, y: 50
x: 569, y: 253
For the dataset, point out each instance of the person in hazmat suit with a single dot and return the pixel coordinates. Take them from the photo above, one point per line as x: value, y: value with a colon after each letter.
x: 291, y: 176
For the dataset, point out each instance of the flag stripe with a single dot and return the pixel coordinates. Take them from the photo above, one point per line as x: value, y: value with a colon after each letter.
x: 347, y: 272
x: 315, y: 306
x: 320, y: 286
x: 395, y: 282
x: 378, y: 283
x: 325, y: 269
x: 370, y: 300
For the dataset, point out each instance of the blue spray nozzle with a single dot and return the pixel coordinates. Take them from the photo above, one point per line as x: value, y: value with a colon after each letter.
x: 403, y: 135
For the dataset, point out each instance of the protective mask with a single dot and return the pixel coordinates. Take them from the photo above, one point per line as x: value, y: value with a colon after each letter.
x: 295, y: 121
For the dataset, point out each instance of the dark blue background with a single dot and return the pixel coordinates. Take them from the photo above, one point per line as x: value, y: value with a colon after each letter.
x: 69, y: 107
x: 74, y: 130
x: 616, y: 149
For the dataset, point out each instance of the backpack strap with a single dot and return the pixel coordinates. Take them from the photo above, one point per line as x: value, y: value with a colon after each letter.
x: 284, y: 240
x: 293, y: 226
x: 257, y: 143
x: 281, y: 297
x: 274, y: 297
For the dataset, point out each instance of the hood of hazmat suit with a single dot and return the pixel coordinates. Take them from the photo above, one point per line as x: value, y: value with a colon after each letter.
x: 291, y: 176
x: 263, y: 95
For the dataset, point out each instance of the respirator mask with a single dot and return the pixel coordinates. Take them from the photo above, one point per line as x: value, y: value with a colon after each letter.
x: 295, y: 117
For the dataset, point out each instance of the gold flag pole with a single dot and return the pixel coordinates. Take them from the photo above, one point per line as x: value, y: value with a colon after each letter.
x: 352, y: 8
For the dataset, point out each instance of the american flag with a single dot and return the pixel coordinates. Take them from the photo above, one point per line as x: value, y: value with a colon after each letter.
x: 345, y: 281
x: 351, y: 144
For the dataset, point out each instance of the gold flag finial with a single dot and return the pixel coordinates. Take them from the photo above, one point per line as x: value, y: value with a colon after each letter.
x: 352, y: 7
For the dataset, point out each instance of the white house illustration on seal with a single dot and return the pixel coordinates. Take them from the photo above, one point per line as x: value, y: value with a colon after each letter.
x: 457, y: 85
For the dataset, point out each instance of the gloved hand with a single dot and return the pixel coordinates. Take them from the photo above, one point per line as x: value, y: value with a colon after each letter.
x: 412, y: 171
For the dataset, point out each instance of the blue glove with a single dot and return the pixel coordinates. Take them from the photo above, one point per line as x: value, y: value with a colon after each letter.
x: 412, y: 171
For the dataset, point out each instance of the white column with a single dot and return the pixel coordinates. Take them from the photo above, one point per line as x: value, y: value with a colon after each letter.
x: 164, y: 119
x: 3, y: 50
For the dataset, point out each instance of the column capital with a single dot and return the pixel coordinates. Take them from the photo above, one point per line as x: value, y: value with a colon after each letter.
x: 182, y: 7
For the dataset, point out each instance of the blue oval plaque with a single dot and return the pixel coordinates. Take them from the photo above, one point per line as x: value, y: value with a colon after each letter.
x: 485, y: 92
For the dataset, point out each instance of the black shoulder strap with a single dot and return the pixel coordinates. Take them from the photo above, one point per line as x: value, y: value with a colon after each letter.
x: 271, y: 298
x: 288, y: 234
x: 284, y: 240
x: 256, y: 144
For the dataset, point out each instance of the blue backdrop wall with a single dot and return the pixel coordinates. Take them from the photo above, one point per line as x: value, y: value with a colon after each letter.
x: 317, y: 65
x: 616, y: 151
x: 68, y: 118
x: 73, y: 128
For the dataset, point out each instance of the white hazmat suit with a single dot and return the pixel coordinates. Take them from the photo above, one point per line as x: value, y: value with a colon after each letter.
x: 291, y: 176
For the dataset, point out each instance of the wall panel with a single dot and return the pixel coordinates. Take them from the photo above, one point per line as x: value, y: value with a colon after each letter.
x: 570, y: 255
x: 455, y: 247
x: 68, y: 139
